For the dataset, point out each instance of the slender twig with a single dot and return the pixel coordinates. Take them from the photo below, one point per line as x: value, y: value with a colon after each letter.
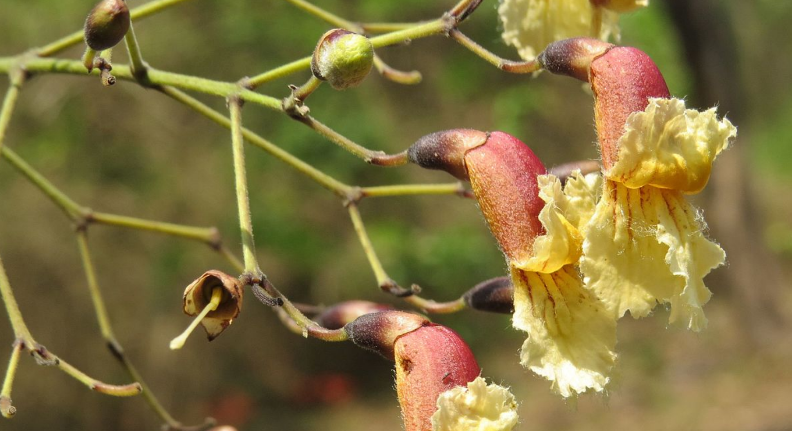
x: 106, y: 329
x: 373, y: 157
x: 76, y: 38
x: 500, y: 63
x: 21, y: 331
x: 415, y: 189
x: 412, y: 77
x: 7, y: 409
x: 387, y: 27
x: 278, y: 72
x: 208, y: 235
x: 326, y: 181
x: 9, y: 103
x: 240, y: 180
x: 326, y: 16
x: 307, y: 327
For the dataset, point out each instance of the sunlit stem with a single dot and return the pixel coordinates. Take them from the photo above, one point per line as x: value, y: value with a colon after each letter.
x: 279, y: 72
x: 107, y: 331
x: 434, y: 307
x: 379, y: 158
x: 326, y: 181
x: 415, y: 189
x: 326, y: 16
x: 398, y: 76
x: 299, y: 323
x: 217, y: 295
x: 387, y: 27
x: 88, y: 58
x: 21, y: 330
x: 9, y: 103
x: 95, y: 385
x: 138, y: 65
x: 243, y: 200
x: 500, y: 63
x: 6, y: 408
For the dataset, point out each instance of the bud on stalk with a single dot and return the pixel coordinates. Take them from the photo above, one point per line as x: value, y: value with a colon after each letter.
x: 502, y: 171
x: 622, y: 78
x: 107, y: 24
x: 342, y: 58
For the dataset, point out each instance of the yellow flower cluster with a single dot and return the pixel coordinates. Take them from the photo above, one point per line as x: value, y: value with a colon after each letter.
x: 634, y: 238
x: 477, y: 407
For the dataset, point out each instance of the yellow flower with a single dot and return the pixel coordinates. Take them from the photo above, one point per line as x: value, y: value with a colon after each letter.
x: 530, y: 25
x: 477, y: 407
x: 571, y: 336
x: 645, y: 244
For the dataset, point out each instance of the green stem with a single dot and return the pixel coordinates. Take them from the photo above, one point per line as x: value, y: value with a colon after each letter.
x: 500, y: 63
x: 326, y: 16
x: 379, y: 272
x: 21, y: 330
x: 76, y: 38
x: 203, y: 234
x: 307, y: 327
x: 414, y: 189
x: 9, y: 103
x: 412, y: 77
x: 6, y: 408
x: 72, y: 209
x: 243, y: 201
x: 276, y: 73
x: 419, y: 31
x: 129, y: 390
x: 326, y: 181
x: 107, y: 331
x: 387, y: 27
x: 379, y: 158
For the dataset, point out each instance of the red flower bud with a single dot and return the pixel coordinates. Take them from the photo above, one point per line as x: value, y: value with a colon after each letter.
x: 430, y: 361
x: 623, y: 80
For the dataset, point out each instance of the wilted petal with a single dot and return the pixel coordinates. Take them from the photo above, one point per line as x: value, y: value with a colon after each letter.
x: 531, y: 25
x: 197, y: 295
x: 670, y: 147
x: 477, y: 407
x: 571, y: 336
x: 645, y: 246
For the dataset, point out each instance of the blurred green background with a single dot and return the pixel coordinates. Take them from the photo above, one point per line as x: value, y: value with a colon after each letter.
x: 131, y: 151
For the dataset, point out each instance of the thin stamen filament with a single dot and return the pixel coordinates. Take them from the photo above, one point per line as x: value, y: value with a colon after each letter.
x: 217, y: 295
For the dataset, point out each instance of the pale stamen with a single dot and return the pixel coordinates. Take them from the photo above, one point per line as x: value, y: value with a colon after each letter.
x: 217, y: 295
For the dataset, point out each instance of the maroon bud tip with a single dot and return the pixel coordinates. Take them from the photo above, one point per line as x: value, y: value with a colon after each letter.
x: 339, y: 315
x: 495, y: 295
x: 572, y: 57
x: 378, y: 332
x: 446, y: 150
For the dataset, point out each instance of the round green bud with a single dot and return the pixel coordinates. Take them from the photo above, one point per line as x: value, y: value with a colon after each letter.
x: 107, y: 24
x: 342, y: 58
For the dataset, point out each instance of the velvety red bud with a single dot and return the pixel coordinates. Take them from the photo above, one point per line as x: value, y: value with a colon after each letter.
x: 378, y: 332
x: 503, y: 177
x: 572, y: 57
x: 339, y: 315
x: 429, y: 361
x: 446, y: 150
x: 623, y: 80
x: 495, y: 295
x: 107, y: 24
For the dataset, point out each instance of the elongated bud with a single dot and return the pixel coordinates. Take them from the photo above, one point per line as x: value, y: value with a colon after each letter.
x: 622, y: 78
x: 503, y: 177
x: 339, y: 315
x: 342, y: 58
x: 446, y: 150
x: 378, y: 331
x: 495, y: 295
x: 430, y: 361
x: 107, y: 24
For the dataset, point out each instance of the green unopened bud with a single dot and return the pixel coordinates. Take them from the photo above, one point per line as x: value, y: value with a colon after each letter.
x: 342, y: 58
x: 107, y: 24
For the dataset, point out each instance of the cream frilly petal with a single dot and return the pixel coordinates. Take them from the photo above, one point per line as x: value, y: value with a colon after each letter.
x: 477, y: 407
x: 571, y: 336
x: 670, y: 147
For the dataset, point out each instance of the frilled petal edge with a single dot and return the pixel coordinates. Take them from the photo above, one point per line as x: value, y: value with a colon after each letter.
x: 571, y: 336
x: 477, y: 407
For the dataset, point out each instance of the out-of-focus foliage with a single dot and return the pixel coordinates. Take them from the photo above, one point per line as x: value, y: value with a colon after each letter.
x: 131, y: 151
